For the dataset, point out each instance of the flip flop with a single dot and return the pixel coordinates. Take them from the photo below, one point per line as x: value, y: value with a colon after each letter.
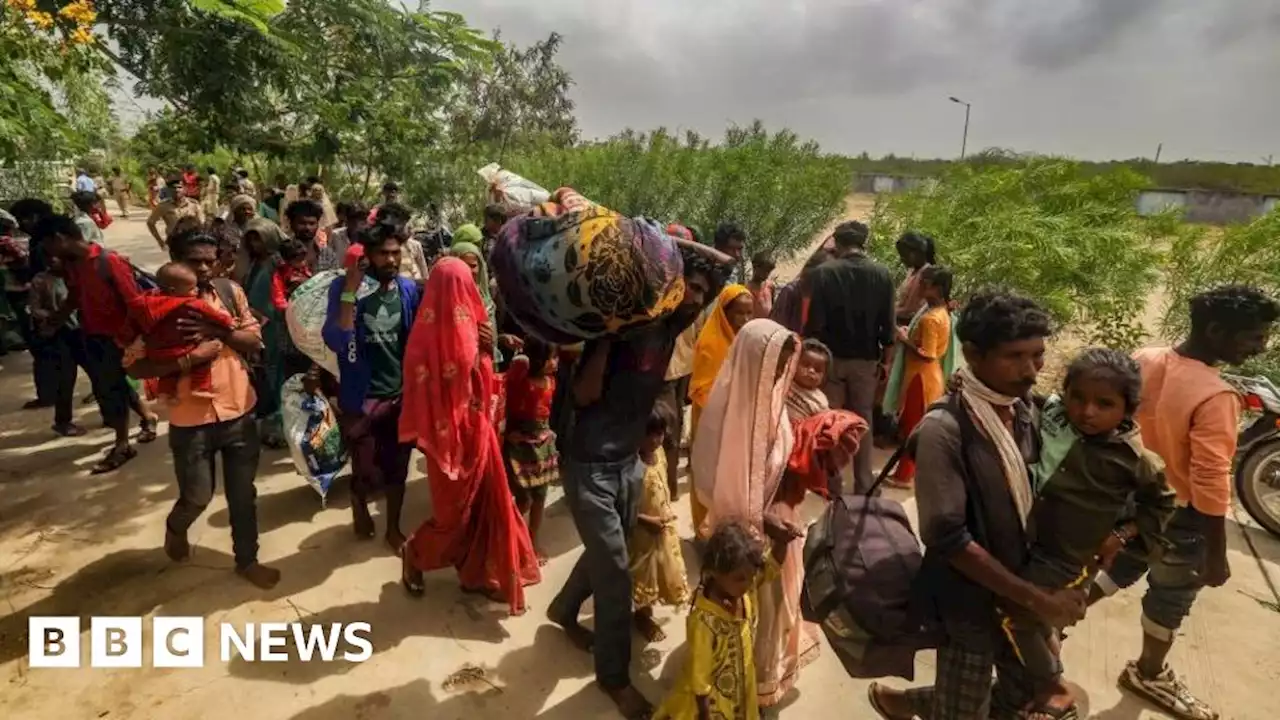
x: 415, y: 588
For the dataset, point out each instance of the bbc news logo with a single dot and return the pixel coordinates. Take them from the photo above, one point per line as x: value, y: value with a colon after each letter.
x: 178, y: 642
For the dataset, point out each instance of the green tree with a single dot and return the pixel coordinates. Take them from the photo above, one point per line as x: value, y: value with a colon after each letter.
x: 1199, y: 260
x: 1045, y: 227
x: 780, y: 190
x: 52, y: 101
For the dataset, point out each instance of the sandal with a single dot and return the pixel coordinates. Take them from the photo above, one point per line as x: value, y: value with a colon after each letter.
x: 874, y: 701
x: 411, y: 577
x: 1049, y: 712
x: 147, y: 431
x: 114, y: 460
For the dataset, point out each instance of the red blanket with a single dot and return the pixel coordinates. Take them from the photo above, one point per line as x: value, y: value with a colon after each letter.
x: 156, y: 317
x: 825, y: 443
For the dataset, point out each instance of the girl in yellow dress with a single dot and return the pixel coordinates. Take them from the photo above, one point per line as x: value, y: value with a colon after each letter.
x: 657, y: 565
x: 718, y: 681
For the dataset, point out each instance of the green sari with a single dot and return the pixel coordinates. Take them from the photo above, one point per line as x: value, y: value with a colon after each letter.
x: 269, y: 376
x: 458, y: 249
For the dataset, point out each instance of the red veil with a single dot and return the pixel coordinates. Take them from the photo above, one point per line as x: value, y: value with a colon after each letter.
x: 446, y: 413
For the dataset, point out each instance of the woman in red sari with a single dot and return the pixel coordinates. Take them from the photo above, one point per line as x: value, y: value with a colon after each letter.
x: 447, y: 411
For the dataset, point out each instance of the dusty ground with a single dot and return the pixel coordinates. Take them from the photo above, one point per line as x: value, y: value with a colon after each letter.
x: 75, y: 545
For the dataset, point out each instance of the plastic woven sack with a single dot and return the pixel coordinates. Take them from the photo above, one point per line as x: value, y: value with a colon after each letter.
x: 308, y: 307
x: 586, y: 274
x: 312, y: 433
x: 510, y: 191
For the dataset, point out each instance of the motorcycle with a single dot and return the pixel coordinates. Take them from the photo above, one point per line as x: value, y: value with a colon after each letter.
x: 1257, y: 461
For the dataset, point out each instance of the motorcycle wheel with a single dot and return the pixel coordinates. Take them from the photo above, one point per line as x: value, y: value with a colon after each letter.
x: 1258, y: 485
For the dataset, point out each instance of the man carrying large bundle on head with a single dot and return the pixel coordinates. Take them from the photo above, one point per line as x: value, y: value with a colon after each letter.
x: 629, y: 290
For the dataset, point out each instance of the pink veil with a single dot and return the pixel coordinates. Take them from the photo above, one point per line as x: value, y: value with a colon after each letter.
x: 744, y: 436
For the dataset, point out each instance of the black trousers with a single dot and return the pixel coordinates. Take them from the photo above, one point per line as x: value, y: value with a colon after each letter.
x: 59, y: 358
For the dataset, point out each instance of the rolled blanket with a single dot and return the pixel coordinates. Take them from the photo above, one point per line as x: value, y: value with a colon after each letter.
x: 585, y: 273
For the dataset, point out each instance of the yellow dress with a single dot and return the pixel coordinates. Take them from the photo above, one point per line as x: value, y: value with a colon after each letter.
x: 657, y: 564
x: 721, y: 663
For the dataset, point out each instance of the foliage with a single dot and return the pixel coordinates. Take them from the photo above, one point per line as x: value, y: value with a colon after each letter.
x: 780, y: 190
x: 1240, y: 254
x: 1245, y: 177
x: 49, y: 69
x: 517, y: 96
x: 356, y: 83
x: 1048, y: 229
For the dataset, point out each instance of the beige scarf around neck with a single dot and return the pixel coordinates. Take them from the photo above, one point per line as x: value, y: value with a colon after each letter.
x: 982, y: 402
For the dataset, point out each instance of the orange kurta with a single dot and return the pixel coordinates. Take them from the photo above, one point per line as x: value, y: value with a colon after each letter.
x: 932, y: 337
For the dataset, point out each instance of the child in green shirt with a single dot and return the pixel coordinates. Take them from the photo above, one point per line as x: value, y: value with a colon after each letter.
x: 1093, y: 473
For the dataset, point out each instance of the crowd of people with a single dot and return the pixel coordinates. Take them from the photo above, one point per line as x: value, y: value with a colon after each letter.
x: 1031, y: 508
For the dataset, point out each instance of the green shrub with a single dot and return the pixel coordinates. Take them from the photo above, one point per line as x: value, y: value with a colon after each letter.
x: 780, y: 190
x: 1044, y: 227
x: 1245, y: 254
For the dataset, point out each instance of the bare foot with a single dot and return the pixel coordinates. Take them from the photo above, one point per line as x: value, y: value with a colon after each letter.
x: 647, y: 628
x: 260, y: 575
x: 631, y: 703
x: 176, y: 546
x: 395, y: 540
x: 582, y: 638
x: 361, y: 520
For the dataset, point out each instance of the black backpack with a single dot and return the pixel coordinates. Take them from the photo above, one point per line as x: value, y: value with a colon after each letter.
x: 863, y: 586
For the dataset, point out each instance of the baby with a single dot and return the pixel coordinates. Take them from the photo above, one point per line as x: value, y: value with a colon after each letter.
x: 156, y: 315
x: 806, y: 397
x: 292, y: 271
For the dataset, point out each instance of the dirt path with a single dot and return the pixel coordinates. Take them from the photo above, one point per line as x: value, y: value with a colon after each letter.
x: 75, y: 545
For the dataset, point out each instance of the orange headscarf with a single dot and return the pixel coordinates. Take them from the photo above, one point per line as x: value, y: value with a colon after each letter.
x: 712, y: 346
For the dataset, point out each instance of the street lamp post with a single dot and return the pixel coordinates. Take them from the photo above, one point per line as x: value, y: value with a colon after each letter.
x: 964, y: 141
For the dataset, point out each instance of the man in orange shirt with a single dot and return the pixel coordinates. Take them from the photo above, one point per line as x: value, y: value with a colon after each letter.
x: 1189, y: 417
x: 221, y: 422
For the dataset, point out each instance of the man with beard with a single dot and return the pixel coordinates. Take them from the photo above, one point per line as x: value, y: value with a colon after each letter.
x: 304, y: 220
x: 614, y: 390
x: 369, y: 335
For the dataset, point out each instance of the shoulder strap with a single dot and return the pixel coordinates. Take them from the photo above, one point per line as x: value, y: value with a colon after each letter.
x: 227, y: 295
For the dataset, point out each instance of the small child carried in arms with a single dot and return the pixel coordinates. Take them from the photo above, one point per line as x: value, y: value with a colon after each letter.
x: 529, y: 444
x: 805, y: 397
x: 292, y: 271
x: 1098, y: 491
x: 718, y: 679
x: 156, y: 315
x: 657, y: 564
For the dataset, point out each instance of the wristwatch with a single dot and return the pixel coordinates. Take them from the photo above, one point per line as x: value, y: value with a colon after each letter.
x: 348, y: 297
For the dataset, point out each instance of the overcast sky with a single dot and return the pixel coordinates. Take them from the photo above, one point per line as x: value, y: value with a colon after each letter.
x: 1090, y: 78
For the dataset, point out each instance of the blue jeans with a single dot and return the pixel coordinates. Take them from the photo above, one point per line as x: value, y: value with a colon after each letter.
x: 603, y: 498
x: 1173, y: 578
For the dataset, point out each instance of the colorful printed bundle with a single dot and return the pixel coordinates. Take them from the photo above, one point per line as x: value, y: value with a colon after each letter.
x: 573, y: 271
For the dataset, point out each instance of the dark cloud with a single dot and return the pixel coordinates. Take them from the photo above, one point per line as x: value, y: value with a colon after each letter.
x: 875, y: 74
x: 1070, y: 32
